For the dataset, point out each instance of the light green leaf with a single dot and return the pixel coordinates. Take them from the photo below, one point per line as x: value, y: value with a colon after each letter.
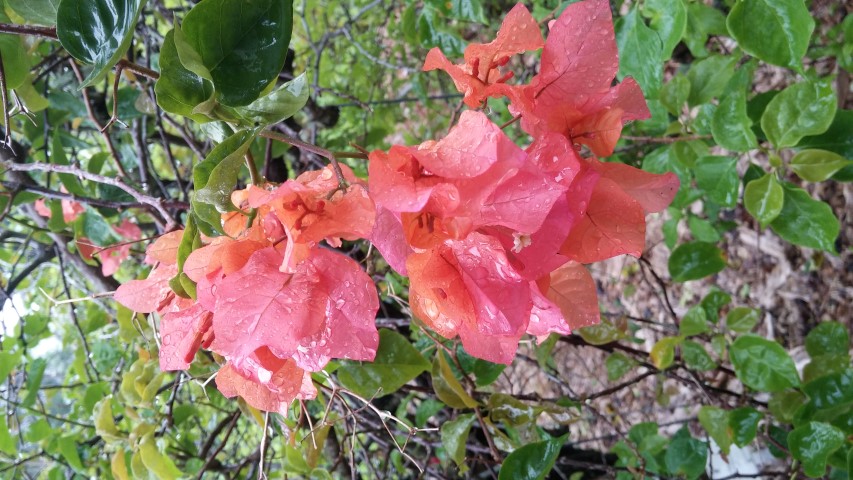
x: 715, y: 421
x: 39, y: 12
x: 454, y: 436
x: 702, y: 229
x: 97, y: 32
x: 533, y: 461
x: 68, y: 449
x: 157, y: 463
x: 396, y: 363
x: 447, y: 386
x: 695, y: 260
x: 618, y: 365
x: 702, y: 21
x: 718, y: 177
x: 764, y: 198
x: 16, y: 62
x: 742, y: 319
x: 8, y: 443
x: 804, y: 108
x: 104, y: 421
x: 695, y: 321
x: 673, y: 95
x: 603, y: 333
x: 279, y: 105
x: 216, y: 176
x: 763, y: 364
x: 465, y: 10
x: 812, y: 444
x: 776, y: 31
x: 663, y: 352
x: 805, y: 221
x: 696, y: 358
x: 815, y: 165
x: 240, y: 36
x: 640, y: 52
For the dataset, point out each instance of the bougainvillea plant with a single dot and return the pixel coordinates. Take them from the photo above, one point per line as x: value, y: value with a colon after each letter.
x: 492, y: 236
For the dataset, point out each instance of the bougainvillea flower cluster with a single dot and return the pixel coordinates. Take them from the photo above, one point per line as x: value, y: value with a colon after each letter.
x: 493, y: 236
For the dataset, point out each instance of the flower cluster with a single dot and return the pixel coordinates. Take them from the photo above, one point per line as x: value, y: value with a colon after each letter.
x: 492, y: 236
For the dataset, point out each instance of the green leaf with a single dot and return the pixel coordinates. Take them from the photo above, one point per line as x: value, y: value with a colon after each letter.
x: 396, y: 363
x: 179, y: 90
x: 731, y: 126
x: 509, y: 410
x: 815, y: 165
x: 805, y: 221
x: 533, y: 461
x: 828, y: 338
x: 686, y: 455
x: 9, y: 360
x: 465, y: 10
x: 669, y: 19
x: 708, y: 78
x: 718, y: 177
x: 784, y: 404
x: 16, y: 62
x: 833, y: 390
x: 426, y: 410
x: 763, y: 364
x: 764, y: 198
x: 663, y: 352
x: 713, y: 302
x: 776, y: 31
x: 742, y: 319
x: 216, y: 176
x: 104, y: 422
x: 673, y: 95
x: 8, y: 444
x: 696, y: 358
x: 639, y: 52
x: 68, y: 449
x: 249, y: 37
x: 695, y: 260
x: 821, y: 365
x: 812, y: 444
x: 97, y: 32
x: 157, y: 463
x: 35, y: 373
x: 804, y: 108
x: 601, y: 334
x: 281, y: 104
x: 618, y: 365
x: 743, y: 424
x: 695, y: 321
x: 702, y: 21
x: 39, y: 12
x: 837, y: 138
x: 447, y: 386
x: 454, y: 436
x: 715, y: 421
x: 702, y: 229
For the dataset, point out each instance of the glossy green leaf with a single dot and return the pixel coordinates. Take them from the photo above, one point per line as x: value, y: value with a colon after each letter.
x: 702, y: 21
x: 715, y: 421
x: 708, y: 78
x: 804, y: 108
x: 179, y: 90
x: 250, y: 37
x: 718, y: 177
x: 447, y: 386
x: 805, y: 221
x: 713, y: 302
x: 696, y: 357
x: 663, y: 352
x: 833, y: 390
x: 821, y: 365
x: 454, y: 436
x: 396, y: 363
x: 743, y: 424
x: 814, y: 165
x: 764, y: 198
x: 742, y: 319
x: 281, y: 104
x: 828, y: 338
x: 533, y: 461
x: 686, y: 455
x: 835, y: 139
x: 618, y: 365
x: 812, y: 444
x: 695, y: 260
x: 776, y: 31
x: 509, y: 410
x: 673, y: 95
x: 669, y: 19
x: 39, y: 12
x: 695, y: 321
x: 763, y: 364
x: 216, y: 176
x: 97, y: 32
x: 730, y: 125
x: 640, y: 52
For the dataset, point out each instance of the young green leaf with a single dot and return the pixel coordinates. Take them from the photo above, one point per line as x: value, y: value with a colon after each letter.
x: 669, y: 19
x: 742, y: 319
x: 814, y: 165
x: 731, y: 126
x: 39, y: 12
x: 279, y: 105
x: 804, y: 108
x: 718, y: 177
x: 708, y: 78
x: 715, y: 421
x: 696, y: 358
x: 764, y: 198
x: 640, y: 49
x: 454, y: 436
x: 663, y: 352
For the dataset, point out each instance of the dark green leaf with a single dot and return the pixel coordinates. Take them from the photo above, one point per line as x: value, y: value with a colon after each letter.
x: 686, y: 455
x: 821, y: 365
x: 826, y: 338
x: 718, y: 177
x: 708, y: 78
x: 396, y: 363
x: 532, y: 461
x: 713, y: 302
x: 279, y: 105
x: 812, y: 444
x: 696, y: 358
x: 39, y: 12
x: 742, y: 319
x: 715, y: 421
x: 804, y: 108
x: 179, y: 90
x: 743, y: 423
x: 695, y: 260
x: 618, y: 365
x: 669, y: 19
x: 831, y: 390
x: 640, y: 52
x: 783, y: 36
x: 426, y: 410
x: 764, y: 198
x: 815, y: 165
x: 805, y: 221
x: 702, y: 229
x: 837, y: 138
x: 454, y: 436
x: 465, y: 10
x: 97, y: 32
x: 702, y: 21
x: 249, y: 37
x: 763, y: 364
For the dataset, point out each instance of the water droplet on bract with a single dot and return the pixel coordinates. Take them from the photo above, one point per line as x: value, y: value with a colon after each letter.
x: 534, y: 318
x: 429, y: 307
x: 340, y: 303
